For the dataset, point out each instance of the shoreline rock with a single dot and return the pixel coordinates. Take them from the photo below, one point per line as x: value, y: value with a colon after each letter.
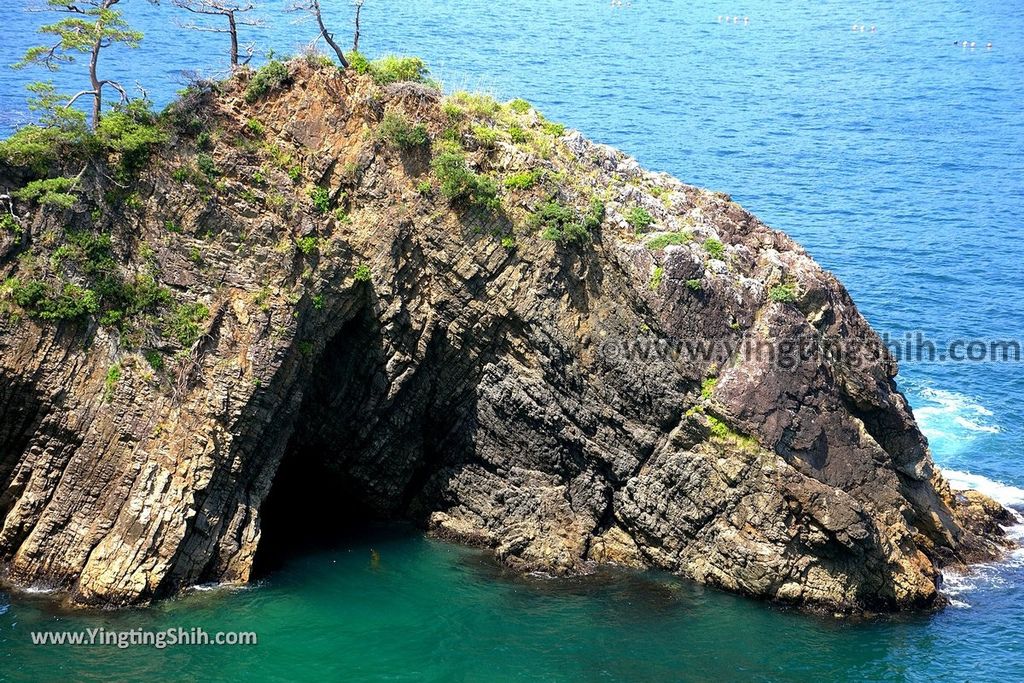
x: 367, y: 347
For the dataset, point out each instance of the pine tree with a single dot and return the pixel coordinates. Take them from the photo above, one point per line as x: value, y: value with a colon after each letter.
x: 93, y: 25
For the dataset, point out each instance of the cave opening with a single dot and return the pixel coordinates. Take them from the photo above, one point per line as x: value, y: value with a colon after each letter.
x: 364, y: 454
x: 315, y: 502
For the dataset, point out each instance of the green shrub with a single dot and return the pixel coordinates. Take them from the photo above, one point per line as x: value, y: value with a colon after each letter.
x: 140, y: 295
x: 270, y: 76
x: 318, y: 61
x: 37, y: 148
x: 719, y: 428
x: 54, y: 192
x: 88, y: 256
x: 451, y: 139
x: 132, y: 131
x: 656, y: 278
x: 715, y: 248
x: 155, y: 360
x: 517, y: 134
x: 130, y: 201
x: 183, y: 323
x: 204, y: 141
x: 480, y: 105
x: 182, y: 174
x: 318, y: 302
x: 707, y: 388
x: 458, y: 183
x: 485, y: 194
x: 519, y: 106
x: 487, y: 136
x: 639, y: 218
x: 508, y: 242
x: 321, y: 199
x: 424, y: 187
x: 523, y: 180
x: 722, y: 431
x: 595, y: 215
x: 110, y: 382
x: 363, y: 273
x: 9, y: 224
x: 393, y: 68
x: 561, y: 223
x: 556, y: 129
x: 44, y: 302
x: 307, y: 245
x: 255, y: 127
x: 61, y: 133
x: 556, y: 221
x: 295, y: 174
x: 28, y: 294
x: 661, y: 241
x: 396, y: 130
x: 207, y: 166
x: 694, y: 285
x: 452, y: 110
x: 783, y: 293
x: 358, y: 62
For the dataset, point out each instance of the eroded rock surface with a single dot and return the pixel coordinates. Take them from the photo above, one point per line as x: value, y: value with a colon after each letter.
x: 499, y: 388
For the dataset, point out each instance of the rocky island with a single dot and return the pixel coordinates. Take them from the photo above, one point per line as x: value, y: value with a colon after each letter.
x: 303, y: 298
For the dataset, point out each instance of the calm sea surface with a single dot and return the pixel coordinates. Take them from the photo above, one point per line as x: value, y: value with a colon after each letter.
x: 894, y: 156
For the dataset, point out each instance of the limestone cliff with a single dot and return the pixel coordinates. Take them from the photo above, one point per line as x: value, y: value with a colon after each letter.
x: 340, y: 299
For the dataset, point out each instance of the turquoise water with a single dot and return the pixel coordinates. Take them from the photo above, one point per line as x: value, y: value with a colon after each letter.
x: 429, y: 611
x: 895, y: 157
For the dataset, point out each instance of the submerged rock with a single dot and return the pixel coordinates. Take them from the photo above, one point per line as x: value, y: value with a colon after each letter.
x: 342, y: 333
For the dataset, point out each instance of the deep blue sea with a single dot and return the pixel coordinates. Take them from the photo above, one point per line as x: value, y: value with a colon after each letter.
x: 894, y: 155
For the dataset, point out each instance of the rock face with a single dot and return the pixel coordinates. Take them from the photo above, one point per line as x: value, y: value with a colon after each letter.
x: 394, y: 354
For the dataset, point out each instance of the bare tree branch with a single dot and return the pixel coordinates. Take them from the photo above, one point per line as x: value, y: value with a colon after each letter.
x: 80, y: 94
x: 233, y: 12
x: 313, y: 8
x: 355, y: 38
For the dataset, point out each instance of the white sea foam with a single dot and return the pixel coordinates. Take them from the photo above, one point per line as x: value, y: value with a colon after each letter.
x: 951, y: 421
x: 225, y: 587
x: 1006, y: 494
x: 974, y: 426
x: 960, y: 583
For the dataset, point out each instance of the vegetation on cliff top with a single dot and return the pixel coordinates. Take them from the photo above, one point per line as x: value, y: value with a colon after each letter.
x: 499, y: 166
x: 86, y: 180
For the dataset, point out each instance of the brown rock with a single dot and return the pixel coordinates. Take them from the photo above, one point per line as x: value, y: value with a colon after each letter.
x: 530, y: 399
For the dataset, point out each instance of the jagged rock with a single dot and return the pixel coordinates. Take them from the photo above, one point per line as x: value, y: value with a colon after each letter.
x: 530, y: 399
